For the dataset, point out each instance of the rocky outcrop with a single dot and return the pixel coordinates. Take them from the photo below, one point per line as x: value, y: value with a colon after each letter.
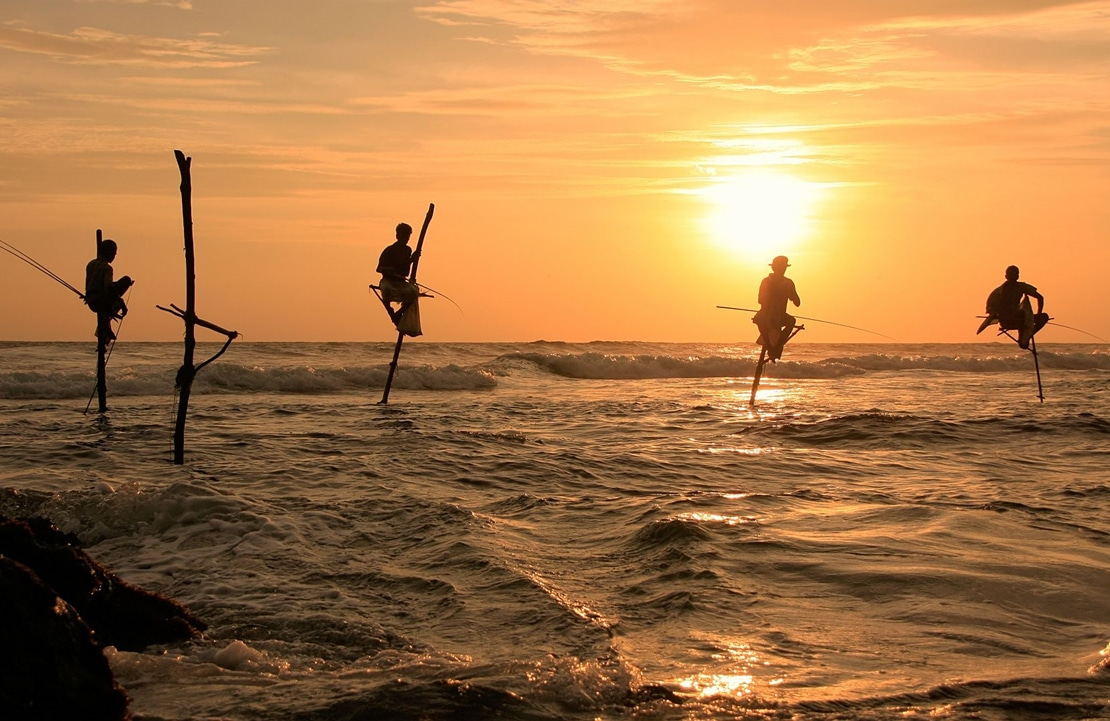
x: 50, y: 666
x: 120, y: 614
x: 58, y: 610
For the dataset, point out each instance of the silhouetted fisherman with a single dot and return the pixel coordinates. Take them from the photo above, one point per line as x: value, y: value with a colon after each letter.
x: 1005, y: 304
x: 774, y: 323
x: 104, y: 295
x: 394, y: 264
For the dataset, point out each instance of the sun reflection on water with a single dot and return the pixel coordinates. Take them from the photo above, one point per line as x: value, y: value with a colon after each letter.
x: 709, y: 685
x: 738, y: 451
x: 737, y: 682
x: 703, y: 517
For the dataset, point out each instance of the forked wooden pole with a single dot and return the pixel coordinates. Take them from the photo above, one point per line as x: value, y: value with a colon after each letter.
x: 185, y: 375
x: 412, y: 279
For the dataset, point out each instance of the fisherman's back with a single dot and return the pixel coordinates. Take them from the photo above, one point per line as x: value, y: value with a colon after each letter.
x: 775, y: 292
x: 98, y: 281
x: 395, y: 260
x: 1005, y: 301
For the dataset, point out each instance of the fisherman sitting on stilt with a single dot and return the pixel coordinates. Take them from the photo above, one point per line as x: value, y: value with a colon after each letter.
x: 774, y: 323
x: 1005, y: 305
x: 395, y: 287
x: 103, y: 295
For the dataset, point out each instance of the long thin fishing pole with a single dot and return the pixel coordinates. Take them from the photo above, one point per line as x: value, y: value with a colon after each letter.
x: 12, y: 250
x: 9, y: 248
x: 1061, y: 325
x: 111, y: 348
x: 1077, y: 330
x: 439, y: 294
x: 815, y: 320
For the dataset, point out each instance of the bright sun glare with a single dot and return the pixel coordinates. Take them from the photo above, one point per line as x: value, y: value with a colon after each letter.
x: 760, y: 215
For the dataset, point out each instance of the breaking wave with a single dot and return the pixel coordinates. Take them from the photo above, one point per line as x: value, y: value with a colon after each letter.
x: 601, y: 366
x: 233, y: 378
x: 284, y: 369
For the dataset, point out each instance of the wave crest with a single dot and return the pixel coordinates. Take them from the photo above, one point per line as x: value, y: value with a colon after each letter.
x: 228, y: 377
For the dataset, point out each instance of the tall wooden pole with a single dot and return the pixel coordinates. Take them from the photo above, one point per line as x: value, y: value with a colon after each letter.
x: 101, y: 348
x: 758, y: 373
x: 1037, y: 365
x: 412, y: 279
x: 1036, y: 362
x: 187, y: 372
x: 764, y: 357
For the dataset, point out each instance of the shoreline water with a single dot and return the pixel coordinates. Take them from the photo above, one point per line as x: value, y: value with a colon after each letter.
x: 592, y: 530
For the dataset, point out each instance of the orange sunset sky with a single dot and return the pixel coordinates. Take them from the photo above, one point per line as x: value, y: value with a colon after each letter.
x: 601, y: 169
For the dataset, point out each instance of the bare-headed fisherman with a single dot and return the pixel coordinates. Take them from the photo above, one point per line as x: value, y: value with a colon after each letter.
x: 103, y: 295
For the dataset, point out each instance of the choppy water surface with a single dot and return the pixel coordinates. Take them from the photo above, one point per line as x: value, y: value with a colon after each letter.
x: 580, y: 531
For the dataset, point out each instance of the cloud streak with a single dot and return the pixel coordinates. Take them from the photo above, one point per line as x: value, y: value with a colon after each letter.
x: 96, y: 46
x: 786, y: 47
x: 179, y: 4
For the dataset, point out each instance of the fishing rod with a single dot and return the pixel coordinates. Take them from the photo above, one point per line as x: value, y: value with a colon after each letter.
x: 815, y: 320
x: 1068, y: 327
x: 1061, y: 325
x: 12, y: 250
x: 439, y: 294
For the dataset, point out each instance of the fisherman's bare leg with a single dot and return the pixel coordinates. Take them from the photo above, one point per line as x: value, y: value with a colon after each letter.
x: 784, y: 335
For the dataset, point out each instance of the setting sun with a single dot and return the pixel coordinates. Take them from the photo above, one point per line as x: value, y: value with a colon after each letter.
x: 586, y: 160
x: 738, y: 327
x: 760, y: 214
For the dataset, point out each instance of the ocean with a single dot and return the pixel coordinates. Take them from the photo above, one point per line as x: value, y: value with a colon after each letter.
x: 590, y: 531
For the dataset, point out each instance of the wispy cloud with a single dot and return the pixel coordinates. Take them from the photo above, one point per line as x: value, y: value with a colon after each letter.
x: 179, y: 4
x: 518, y: 100
x: 547, y: 17
x: 1067, y: 21
x: 793, y: 46
x: 88, y: 45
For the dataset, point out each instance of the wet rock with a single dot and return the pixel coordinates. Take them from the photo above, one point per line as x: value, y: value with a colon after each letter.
x: 119, y: 614
x: 51, y: 669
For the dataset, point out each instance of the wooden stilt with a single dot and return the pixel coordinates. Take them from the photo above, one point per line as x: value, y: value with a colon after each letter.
x: 1036, y: 361
x: 101, y: 349
x: 1037, y: 366
x: 412, y: 279
x: 188, y: 371
x: 758, y: 373
x: 101, y: 376
x: 763, y: 359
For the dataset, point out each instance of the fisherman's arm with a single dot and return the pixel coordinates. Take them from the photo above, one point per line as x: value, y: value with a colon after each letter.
x: 1040, y: 299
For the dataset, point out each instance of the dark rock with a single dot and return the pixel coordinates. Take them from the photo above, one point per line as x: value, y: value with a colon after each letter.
x: 120, y: 614
x: 50, y: 666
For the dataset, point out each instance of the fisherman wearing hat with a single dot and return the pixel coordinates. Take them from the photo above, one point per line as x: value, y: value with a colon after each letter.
x: 774, y: 323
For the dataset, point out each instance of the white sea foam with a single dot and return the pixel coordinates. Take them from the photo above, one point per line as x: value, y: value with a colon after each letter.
x: 346, y: 371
